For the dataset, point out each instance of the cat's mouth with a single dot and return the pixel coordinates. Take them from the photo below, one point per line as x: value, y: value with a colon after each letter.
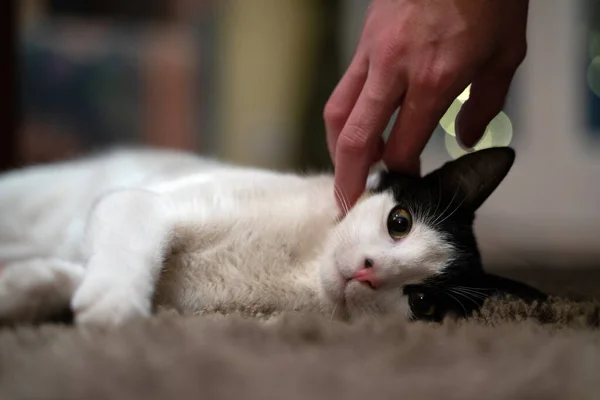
x: 352, y: 285
x: 358, y: 282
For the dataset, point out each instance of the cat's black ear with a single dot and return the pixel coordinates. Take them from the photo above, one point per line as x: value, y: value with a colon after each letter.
x: 474, y: 176
x: 468, y: 293
x: 495, y: 285
x: 461, y: 295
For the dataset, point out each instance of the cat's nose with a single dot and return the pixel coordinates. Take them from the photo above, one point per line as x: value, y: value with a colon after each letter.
x: 366, y: 274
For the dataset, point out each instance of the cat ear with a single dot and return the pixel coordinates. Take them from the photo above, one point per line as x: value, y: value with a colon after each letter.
x: 496, y: 285
x: 375, y: 177
x: 475, y: 176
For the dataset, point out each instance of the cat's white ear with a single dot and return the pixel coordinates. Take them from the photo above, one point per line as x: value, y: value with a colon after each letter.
x: 476, y: 175
x: 375, y: 176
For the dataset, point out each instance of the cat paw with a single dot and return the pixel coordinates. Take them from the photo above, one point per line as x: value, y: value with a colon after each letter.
x: 36, y: 289
x: 97, y: 304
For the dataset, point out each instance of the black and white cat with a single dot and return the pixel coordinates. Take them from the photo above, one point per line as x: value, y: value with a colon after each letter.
x: 115, y: 235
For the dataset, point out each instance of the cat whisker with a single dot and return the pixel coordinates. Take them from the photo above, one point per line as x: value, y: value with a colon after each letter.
x: 340, y: 195
x: 471, y: 294
x: 338, y: 234
x: 465, y: 296
x: 411, y: 314
x: 476, y: 288
x: 439, y: 195
x: 478, y: 293
x: 453, y: 211
x: 333, y: 312
x: 458, y: 301
x: 419, y: 211
x: 447, y: 207
x: 431, y: 216
x: 341, y: 198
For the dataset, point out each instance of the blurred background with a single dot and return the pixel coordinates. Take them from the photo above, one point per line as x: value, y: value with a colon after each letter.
x: 247, y: 81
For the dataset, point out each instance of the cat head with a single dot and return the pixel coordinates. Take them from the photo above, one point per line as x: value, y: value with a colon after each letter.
x: 408, y: 245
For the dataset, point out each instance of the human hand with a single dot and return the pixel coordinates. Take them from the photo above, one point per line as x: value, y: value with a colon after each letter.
x: 419, y: 55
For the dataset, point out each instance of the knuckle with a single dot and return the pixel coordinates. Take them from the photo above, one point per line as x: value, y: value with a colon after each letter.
x: 388, y: 52
x: 376, y: 95
x: 383, y: 59
x: 335, y: 115
x: 436, y: 79
x: 513, y: 58
x: 354, y: 140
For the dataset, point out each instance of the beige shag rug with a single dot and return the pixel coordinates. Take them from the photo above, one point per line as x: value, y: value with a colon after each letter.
x: 509, y: 351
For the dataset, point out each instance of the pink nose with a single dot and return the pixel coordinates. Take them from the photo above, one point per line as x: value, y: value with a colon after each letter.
x: 366, y: 276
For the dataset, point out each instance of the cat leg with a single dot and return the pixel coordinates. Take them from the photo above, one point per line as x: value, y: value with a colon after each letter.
x: 128, y: 235
x: 21, y: 250
x: 37, y: 289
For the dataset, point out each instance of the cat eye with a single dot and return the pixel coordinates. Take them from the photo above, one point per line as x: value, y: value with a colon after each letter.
x: 399, y: 223
x: 421, y: 305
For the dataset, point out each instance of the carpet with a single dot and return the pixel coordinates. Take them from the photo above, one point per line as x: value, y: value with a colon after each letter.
x: 510, y: 350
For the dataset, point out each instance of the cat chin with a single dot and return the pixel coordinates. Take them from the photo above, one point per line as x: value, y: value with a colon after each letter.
x: 357, y: 293
x: 361, y: 301
x: 347, y: 298
x: 347, y: 301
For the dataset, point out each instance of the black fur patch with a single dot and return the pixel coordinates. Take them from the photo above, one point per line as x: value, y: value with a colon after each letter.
x: 447, y: 200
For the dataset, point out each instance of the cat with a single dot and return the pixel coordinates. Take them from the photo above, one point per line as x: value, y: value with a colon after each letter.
x: 113, y: 236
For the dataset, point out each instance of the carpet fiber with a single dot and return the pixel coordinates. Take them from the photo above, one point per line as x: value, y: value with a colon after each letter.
x: 509, y: 351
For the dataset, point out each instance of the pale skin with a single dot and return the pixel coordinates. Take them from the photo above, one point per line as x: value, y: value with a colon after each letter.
x: 419, y: 55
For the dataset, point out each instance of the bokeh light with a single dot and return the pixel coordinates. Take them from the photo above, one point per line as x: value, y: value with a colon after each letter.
x: 447, y: 121
x: 593, y: 75
x: 464, y: 96
x: 499, y: 132
x: 594, y: 44
x: 593, y: 70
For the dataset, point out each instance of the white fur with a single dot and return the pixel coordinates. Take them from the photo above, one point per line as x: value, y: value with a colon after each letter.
x: 172, y: 229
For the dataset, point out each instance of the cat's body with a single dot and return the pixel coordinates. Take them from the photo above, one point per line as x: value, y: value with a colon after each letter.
x: 113, y: 234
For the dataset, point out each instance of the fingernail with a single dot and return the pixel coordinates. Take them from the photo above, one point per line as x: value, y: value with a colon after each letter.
x: 465, y: 141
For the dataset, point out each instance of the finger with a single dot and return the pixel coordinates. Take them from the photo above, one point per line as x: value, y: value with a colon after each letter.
x: 360, y: 140
x: 378, y: 150
x: 342, y: 100
x: 418, y: 117
x: 486, y: 100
